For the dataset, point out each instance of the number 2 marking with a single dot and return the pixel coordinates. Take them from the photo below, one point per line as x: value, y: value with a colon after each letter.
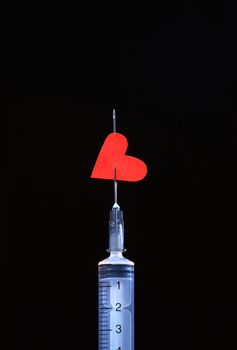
x: 118, y: 306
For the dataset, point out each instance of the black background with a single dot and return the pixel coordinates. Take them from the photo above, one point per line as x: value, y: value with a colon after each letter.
x: 170, y: 72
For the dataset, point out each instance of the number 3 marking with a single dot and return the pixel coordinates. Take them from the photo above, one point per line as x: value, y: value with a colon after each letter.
x: 119, y: 328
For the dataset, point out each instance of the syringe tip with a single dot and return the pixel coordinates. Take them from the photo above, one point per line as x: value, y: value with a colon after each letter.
x: 116, y: 229
x: 116, y: 206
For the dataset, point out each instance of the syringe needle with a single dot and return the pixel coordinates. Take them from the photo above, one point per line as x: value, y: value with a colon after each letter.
x: 114, y: 121
x: 115, y: 187
x: 115, y: 181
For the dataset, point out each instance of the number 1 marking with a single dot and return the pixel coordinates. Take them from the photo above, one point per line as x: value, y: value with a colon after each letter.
x: 118, y: 283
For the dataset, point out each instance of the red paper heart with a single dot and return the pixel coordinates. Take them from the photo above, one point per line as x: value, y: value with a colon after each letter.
x: 112, y: 156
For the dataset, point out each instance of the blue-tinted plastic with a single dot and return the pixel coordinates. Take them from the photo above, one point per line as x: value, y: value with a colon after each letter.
x: 116, y: 307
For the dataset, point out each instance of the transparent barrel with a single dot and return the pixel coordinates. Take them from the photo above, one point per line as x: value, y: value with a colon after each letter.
x: 116, y: 307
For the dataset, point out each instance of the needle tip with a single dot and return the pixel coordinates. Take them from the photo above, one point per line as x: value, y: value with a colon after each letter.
x: 114, y: 120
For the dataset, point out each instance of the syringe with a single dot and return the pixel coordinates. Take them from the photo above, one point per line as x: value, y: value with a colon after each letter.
x: 116, y: 287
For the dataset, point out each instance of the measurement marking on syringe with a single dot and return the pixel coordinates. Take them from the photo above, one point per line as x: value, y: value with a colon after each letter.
x: 104, y: 286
